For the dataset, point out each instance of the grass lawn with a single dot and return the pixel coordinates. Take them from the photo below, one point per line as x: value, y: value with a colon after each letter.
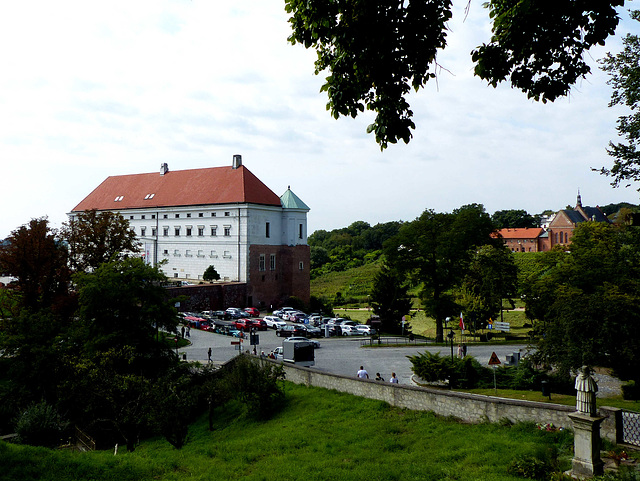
x: 319, y: 435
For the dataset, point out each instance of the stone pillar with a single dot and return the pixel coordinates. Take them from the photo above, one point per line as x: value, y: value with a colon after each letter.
x: 586, y: 445
x: 586, y: 428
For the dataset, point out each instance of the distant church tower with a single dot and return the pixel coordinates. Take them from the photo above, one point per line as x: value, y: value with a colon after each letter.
x: 579, y: 203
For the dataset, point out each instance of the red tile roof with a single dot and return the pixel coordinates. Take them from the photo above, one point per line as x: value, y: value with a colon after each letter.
x: 215, y: 185
x: 521, y: 233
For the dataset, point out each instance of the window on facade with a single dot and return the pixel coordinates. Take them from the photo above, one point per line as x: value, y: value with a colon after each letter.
x: 261, y: 263
x: 142, y: 216
x: 176, y: 252
x: 200, y: 214
x: 143, y: 231
x: 177, y: 231
x: 165, y: 231
x: 272, y: 262
x: 177, y: 216
x: 227, y: 214
x: 226, y: 254
x: 214, y: 254
x: 214, y: 229
x: 153, y: 232
x: 267, y: 229
x: 165, y: 216
x: 227, y: 230
x: 301, y: 266
x: 188, y: 253
x: 166, y: 252
x: 189, y: 231
x: 189, y: 215
x: 213, y: 214
x: 130, y: 217
x: 566, y: 237
x: 200, y: 231
x: 300, y: 231
x: 175, y: 274
x: 153, y: 216
x: 200, y: 253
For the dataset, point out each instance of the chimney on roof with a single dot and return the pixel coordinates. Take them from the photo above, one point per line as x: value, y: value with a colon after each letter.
x: 164, y: 168
x: 237, y: 161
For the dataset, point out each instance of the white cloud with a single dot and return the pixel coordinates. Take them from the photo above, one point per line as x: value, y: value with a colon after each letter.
x: 92, y: 90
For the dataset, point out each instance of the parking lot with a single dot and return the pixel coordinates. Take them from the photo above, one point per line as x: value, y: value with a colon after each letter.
x: 342, y: 355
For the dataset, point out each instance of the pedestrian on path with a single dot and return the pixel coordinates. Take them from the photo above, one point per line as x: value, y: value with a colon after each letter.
x: 188, y: 331
x: 209, y: 354
x: 379, y: 377
x: 393, y: 379
x: 362, y: 374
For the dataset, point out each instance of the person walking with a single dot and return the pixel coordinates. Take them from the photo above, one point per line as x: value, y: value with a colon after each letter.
x: 459, y: 351
x: 209, y: 354
x: 464, y: 350
x: 393, y: 379
x: 379, y: 377
x: 362, y: 374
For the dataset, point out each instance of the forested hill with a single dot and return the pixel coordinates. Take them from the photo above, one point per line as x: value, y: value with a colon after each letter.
x: 360, y: 243
x: 353, y: 246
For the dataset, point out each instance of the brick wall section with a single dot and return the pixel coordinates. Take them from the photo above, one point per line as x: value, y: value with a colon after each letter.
x: 212, y: 297
x: 471, y: 408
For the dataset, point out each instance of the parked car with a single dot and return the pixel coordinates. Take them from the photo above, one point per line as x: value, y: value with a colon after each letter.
x: 235, y: 313
x: 245, y: 324
x: 297, y: 317
x: 260, y: 324
x: 282, y: 311
x: 274, y: 322
x: 313, y: 331
x: 289, y: 330
x: 277, y: 353
x: 252, y: 311
x: 348, y: 330
x: 365, y: 330
x: 316, y: 344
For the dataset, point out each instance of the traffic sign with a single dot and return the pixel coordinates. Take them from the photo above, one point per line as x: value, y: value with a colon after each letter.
x: 494, y: 361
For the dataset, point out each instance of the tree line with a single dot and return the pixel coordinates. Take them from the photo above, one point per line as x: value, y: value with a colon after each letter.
x: 83, y: 341
x: 583, y: 299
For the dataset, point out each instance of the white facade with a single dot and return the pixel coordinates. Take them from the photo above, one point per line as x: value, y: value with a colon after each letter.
x: 189, y: 239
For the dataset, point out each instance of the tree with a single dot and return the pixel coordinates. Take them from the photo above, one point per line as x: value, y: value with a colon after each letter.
x: 624, y: 72
x: 122, y: 303
x: 377, y: 52
x: 35, y: 255
x: 514, y: 219
x: 434, y: 251
x: 211, y: 274
x: 389, y: 299
x: 98, y: 237
x: 491, y: 277
x: 588, y: 301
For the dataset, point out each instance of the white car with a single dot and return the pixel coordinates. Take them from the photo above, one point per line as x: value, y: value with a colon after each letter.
x: 366, y: 330
x: 273, y: 322
x: 349, y: 330
x: 314, y: 343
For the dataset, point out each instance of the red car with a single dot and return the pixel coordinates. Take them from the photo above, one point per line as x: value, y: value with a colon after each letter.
x: 244, y: 324
x: 252, y: 311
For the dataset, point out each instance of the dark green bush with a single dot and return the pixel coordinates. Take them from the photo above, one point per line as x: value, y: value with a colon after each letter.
x: 529, y: 467
x: 631, y: 391
x: 41, y: 425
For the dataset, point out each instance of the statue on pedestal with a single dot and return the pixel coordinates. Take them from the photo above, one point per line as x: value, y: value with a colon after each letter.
x: 586, y: 395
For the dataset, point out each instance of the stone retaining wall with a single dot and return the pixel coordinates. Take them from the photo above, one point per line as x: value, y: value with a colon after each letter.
x: 472, y: 408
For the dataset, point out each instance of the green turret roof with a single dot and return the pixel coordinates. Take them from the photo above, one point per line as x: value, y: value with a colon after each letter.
x: 289, y: 200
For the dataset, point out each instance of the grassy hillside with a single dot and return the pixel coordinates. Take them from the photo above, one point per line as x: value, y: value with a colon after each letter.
x: 355, y: 284
x: 319, y: 435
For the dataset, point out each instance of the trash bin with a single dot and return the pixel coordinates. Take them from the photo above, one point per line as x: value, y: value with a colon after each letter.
x: 546, y: 391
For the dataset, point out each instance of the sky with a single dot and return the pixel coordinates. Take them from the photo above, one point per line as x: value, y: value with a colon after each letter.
x: 96, y: 89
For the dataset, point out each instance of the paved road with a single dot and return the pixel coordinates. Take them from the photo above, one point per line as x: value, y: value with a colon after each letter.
x: 339, y: 355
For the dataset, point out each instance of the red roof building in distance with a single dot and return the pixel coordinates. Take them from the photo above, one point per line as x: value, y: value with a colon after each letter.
x: 220, y: 216
x: 525, y: 239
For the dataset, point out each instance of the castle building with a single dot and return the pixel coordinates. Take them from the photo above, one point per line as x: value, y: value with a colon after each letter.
x: 187, y: 220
